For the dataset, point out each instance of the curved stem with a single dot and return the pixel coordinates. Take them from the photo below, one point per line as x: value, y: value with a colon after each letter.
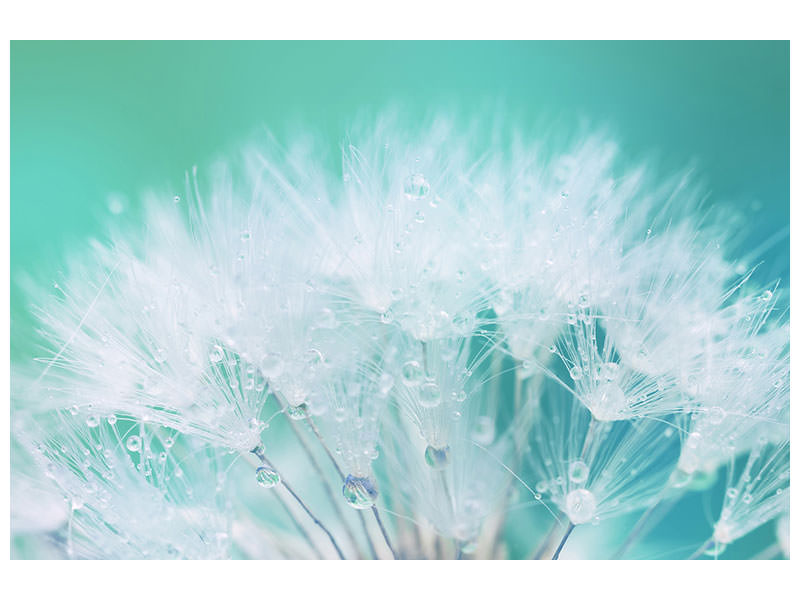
x: 563, y: 541
x: 260, y: 454
x: 699, y: 552
x: 342, y: 475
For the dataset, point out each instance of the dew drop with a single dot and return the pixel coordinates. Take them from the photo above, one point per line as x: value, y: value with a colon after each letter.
x: 92, y: 421
x: 412, y: 373
x: 133, y: 443
x: 416, y: 187
x: 578, y: 471
x: 267, y: 477
x: 430, y: 396
x: 112, y: 419
x: 359, y: 492
x: 576, y: 372
x: 581, y: 506
x: 437, y: 458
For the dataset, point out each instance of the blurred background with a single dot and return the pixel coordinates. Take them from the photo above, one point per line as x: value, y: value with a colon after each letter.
x: 95, y: 124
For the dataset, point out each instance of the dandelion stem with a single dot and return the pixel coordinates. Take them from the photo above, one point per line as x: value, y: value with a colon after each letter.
x: 699, y: 552
x: 546, y: 542
x: 563, y: 541
x: 260, y: 454
x: 328, y: 490
x: 342, y: 475
x: 383, y: 531
x: 298, y: 526
x: 640, y: 526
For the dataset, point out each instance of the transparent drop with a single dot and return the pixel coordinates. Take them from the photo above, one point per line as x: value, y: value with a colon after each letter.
x: 412, y: 373
x: 430, y: 396
x: 437, y: 458
x: 576, y: 372
x: 267, y: 477
x: 133, y: 443
x: 112, y: 419
x: 297, y: 413
x: 581, y: 506
x: 578, y: 471
x: 359, y: 492
x: 416, y: 187
x: 92, y: 421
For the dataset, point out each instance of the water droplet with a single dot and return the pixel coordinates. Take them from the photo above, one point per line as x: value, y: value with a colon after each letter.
x: 416, y: 187
x: 419, y: 216
x: 387, y: 316
x: 267, y: 477
x: 732, y: 493
x: 607, y: 402
x: 176, y: 199
x: 437, y: 458
x: 460, y: 396
x: 92, y: 421
x: 296, y: 413
x: 412, y: 373
x: 766, y: 296
x: 359, y: 492
x: 581, y: 506
x: 463, y: 324
x: 578, y: 471
x: 576, y: 372
x: 112, y: 419
x: 245, y: 235
x: 133, y: 443
x: 73, y: 409
x: 430, y: 396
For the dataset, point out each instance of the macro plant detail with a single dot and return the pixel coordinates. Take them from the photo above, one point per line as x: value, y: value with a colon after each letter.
x: 461, y: 330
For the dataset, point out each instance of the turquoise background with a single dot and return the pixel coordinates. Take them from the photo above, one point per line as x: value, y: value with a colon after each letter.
x: 93, y: 118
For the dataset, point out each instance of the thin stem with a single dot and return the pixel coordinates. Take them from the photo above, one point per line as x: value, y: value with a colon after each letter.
x: 637, y: 529
x: 699, y: 552
x: 546, y: 542
x: 563, y: 541
x: 383, y: 531
x: 342, y: 475
x: 498, y: 534
x: 328, y: 490
x: 298, y: 526
x: 260, y: 454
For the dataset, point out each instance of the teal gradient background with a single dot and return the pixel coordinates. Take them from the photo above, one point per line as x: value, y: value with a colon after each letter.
x: 89, y: 119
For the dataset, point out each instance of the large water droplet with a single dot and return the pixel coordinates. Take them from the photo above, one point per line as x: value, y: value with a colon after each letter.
x: 581, y: 506
x: 412, y: 373
x: 133, y: 443
x: 437, y: 458
x: 359, y: 492
x: 430, y: 396
x: 607, y: 402
x: 267, y: 477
